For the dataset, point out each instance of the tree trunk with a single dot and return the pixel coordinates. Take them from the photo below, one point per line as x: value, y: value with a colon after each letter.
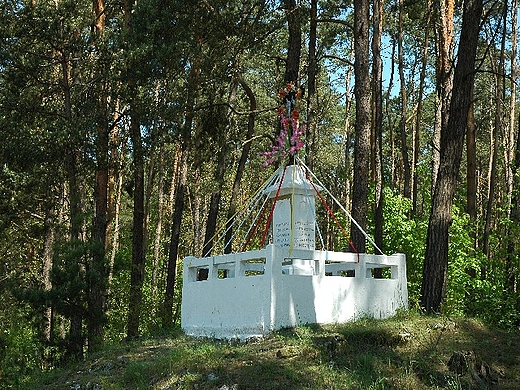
x: 98, y: 269
x: 292, y: 67
x: 118, y: 188
x: 416, y: 148
x: 138, y: 245
x: 471, y: 152
x: 513, y: 182
x: 377, y: 123
x: 138, y: 221
x: 158, y: 230
x: 167, y: 314
x: 214, y: 203
x: 194, y: 192
x: 407, y: 190
x: 444, y: 80
x: 115, y: 197
x: 180, y: 189
x: 75, y: 335
x: 310, y: 137
x: 390, y: 124
x: 452, y: 141
x: 235, y: 192
x: 511, y: 261
x: 347, y: 138
x: 510, y: 143
x: 362, y: 127
x: 220, y: 171
x: 48, y: 254
x: 495, y: 136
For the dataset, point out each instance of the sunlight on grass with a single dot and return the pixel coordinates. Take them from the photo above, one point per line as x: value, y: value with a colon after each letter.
x: 408, y: 352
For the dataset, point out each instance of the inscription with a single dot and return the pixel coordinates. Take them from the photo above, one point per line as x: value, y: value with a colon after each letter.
x: 302, y: 229
x: 282, y: 234
x: 304, y: 234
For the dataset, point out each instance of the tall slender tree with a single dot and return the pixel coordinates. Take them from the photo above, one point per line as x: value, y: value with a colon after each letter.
x: 180, y: 190
x: 98, y: 270
x: 220, y: 124
x: 377, y: 121
x: 418, y: 119
x: 244, y: 155
x: 444, y: 75
x: 513, y: 156
x: 362, y: 127
x: 433, y: 288
x: 471, y: 158
x: 312, y: 71
x: 407, y: 190
x: 138, y: 221
x: 498, y: 68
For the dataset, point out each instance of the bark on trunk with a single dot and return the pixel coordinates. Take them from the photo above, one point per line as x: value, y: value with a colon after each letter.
x: 510, y: 147
x: 158, y: 230
x: 362, y: 127
x: 214, y: 206
x: 347, y: 140
x: 180, y: 189
x: 390, y: 125
x: 235, y: 192
x: 511, y: 261
x: 377, y: 123
x: 114, y: 200
x: 416, y: 148
x: 513, y: 182
x: 98, y: 269
x: 496, y: 137
x: 471, y: 156
x: 137, y: 272
x: 407, y: 190
x: 452, y: 141
x: 48, y: 253
x: 444, y: 80
x: 138, y: 245
x: 75, y: 335
x: 310, y: 137
x: 292, y: 68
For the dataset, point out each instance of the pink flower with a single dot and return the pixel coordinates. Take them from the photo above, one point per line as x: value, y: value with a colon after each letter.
x: 283, y: 146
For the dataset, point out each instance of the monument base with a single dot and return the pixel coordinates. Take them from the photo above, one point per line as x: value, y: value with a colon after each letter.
x: 250, y: 294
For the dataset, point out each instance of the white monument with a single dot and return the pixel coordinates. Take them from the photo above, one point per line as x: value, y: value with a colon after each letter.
x: 288, y: 282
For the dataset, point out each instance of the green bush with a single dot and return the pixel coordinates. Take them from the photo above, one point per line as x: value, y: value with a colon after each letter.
x: 20, y: 353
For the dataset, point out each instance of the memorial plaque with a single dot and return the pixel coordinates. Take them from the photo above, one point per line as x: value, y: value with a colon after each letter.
x: 303, y: 220
x: 298, y: 227
x: 282, y: 223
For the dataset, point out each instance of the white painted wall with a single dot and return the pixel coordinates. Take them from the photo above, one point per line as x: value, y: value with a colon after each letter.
x: 241, y: 306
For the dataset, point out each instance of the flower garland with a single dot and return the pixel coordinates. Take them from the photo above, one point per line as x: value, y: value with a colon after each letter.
x: 291, y: 137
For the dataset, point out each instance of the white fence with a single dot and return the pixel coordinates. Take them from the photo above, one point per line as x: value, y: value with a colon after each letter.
x: 248, y: 294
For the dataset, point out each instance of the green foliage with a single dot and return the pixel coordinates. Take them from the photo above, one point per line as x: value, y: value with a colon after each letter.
x: 20, y: 348
x: 118, y: 304
x: 53, y: 74
x: 464, y: 263
x: 476, y: 284
x: 403, y: 233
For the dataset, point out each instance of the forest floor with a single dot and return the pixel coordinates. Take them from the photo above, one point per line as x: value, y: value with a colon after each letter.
x: 408, y: 351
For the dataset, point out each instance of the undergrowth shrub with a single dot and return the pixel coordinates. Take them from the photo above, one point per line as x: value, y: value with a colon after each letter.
x: 475, y: 284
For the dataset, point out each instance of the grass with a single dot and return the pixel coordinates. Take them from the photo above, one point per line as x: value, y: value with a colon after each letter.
x: 408, y: 351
